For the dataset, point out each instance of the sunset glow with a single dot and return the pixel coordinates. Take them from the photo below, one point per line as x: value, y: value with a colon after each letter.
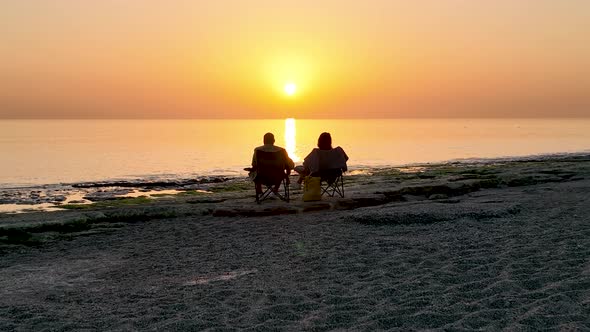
x: 241, y: 59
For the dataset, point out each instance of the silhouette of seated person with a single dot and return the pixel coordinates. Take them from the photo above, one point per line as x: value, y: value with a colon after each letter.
x: 324, y: 161
x: 270, y: 165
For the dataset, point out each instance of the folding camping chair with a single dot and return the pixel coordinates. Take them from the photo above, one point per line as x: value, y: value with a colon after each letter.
x: 270, y: 172
x: 332, y: 179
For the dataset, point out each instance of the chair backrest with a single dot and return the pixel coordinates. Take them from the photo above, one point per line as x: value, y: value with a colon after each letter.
x: 331, y: 159
x: 331, y: 164
x: 270, y: 167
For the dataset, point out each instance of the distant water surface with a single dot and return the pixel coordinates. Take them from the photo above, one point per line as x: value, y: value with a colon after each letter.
x: 36, y: 152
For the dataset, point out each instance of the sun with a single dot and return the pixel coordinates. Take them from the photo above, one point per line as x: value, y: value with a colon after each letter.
x: 290, y: 88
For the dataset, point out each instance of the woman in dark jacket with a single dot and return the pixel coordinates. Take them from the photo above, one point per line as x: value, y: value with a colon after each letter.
x: 312, y: 165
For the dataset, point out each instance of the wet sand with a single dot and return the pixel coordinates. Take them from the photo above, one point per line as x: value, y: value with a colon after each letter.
x: 457, y: 247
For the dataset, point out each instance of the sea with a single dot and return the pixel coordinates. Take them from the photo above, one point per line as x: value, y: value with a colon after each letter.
x: 38, y: 152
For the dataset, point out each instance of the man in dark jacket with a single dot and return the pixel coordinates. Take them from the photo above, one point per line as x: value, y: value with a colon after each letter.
x: 285, y: 161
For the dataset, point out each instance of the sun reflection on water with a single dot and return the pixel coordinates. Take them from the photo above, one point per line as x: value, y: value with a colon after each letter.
x: 290, y: 142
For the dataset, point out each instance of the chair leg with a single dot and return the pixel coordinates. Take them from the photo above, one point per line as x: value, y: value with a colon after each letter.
x: 328, y: 190
x: 337, y: 187
x: 324, y: 189
x: 285, y: 191
x: 285, y: 195
x: 341, y: 186
x: 264, y: 195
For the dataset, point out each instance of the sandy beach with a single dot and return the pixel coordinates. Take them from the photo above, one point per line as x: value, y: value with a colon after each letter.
x: 462, y: 246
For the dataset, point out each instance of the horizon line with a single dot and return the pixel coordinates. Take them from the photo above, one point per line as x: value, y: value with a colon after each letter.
x: 299, y: 118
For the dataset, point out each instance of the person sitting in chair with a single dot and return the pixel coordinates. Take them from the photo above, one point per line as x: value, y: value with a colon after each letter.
x: 281, y: 165
x: 313, y: 163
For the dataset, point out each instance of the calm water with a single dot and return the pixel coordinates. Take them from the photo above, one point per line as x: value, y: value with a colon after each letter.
x: 65, y: 151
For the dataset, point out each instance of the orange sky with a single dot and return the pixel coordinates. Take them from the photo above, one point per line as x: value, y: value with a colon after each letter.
x: 231, y: 59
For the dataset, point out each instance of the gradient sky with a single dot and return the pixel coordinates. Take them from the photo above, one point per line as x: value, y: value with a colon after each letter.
x: 231, y: 59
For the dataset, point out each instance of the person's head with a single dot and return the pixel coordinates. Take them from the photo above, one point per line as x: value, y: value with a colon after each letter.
x: 325, y: 141
x: 269, y: 138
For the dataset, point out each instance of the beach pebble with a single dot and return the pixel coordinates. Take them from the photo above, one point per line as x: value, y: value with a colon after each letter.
x: 58, y: 198
x: 438, y: 196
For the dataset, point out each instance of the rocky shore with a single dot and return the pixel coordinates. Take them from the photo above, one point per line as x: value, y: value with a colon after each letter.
x: 465, y: 246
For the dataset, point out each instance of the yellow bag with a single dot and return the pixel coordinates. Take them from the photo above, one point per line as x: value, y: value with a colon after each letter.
x: 312, y: 191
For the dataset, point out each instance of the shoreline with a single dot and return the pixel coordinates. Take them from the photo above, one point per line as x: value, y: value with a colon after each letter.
x: 156, y: 180
x: 233, y: 197
x: 49, y: 197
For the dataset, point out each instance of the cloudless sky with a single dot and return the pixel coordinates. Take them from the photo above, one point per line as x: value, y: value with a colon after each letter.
x: 232, y: 59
